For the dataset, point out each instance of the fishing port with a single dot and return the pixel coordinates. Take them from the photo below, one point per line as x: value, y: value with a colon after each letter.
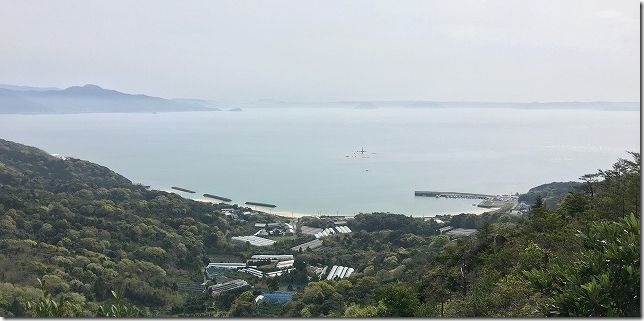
x: 452, y: 195
x: 488, y: 201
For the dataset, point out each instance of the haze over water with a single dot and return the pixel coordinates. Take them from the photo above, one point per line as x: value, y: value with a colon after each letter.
x: 296, y: 158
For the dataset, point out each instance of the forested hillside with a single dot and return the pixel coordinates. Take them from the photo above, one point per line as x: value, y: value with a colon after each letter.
x: 71, y: 232
x: 85, y: 231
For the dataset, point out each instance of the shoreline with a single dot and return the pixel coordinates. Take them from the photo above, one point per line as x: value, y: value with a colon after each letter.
x: 294, y: 214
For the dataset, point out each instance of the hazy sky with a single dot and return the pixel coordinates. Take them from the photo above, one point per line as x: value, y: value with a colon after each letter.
x: 482, y: 50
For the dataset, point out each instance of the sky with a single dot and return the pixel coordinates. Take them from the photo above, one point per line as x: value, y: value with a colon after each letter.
x: 328, y: 50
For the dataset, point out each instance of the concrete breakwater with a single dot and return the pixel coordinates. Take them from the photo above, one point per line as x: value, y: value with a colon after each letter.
x: 488, y: 201
x: 224, y: 199
x: 183, y: 189
x: 452, y: 195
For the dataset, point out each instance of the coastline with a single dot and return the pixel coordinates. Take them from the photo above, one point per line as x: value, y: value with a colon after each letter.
x: 293, y: 214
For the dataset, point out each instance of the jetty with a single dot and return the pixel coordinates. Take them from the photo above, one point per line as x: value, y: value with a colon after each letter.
x: 217, y: 197
x: 183, y: 189
x: 452, y: 195
x: 261, y: 204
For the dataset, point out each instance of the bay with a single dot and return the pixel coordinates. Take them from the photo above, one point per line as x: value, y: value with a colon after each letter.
x: 304, y: 160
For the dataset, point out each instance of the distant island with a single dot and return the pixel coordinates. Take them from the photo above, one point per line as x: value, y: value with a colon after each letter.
x: 427, y: 104
x: 88, y: 99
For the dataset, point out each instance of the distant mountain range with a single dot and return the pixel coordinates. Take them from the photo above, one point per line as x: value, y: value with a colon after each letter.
x: 88, y: 99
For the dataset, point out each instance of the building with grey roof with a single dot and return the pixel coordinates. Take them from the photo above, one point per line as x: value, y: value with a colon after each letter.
x: 220, y: 288
x: 461, y: 232
x: 253, y: 240
x: 308, y: 245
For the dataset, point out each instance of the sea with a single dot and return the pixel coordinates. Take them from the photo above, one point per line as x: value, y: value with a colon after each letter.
x: 341, y: 161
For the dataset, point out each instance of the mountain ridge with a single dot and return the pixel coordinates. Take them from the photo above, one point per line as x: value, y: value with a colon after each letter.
x: 88, y: 98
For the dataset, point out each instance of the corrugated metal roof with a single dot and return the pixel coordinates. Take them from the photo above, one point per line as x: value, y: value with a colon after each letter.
x: 330, y: 276
x: 254, y: 240
x: 339, y: 272
x: 311, y: 245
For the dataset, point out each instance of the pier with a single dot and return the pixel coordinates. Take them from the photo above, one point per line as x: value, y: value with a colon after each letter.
x: 452, y: 195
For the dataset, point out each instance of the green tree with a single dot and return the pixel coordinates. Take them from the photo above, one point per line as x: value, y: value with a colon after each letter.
x: 399, y: 301
x: 119, y: 309
x: 243, y: 306
x: 605, y: 279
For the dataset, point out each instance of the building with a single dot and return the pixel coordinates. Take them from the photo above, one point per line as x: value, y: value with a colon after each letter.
x: 216, y: 269
x: 310, y: 230
x: 218, y: 289
x: 343, y: 229
x: 271, y: 257
x: 285, y: 264
x: 254, y: 272
x: 333, y: 230
x: 278, y: 273
x: 253, y: 240
x: 308, y: 245
x: 461, y: 232
x: 275, y: 297
x: 339, y: 272
x: 190, y: 286
x: 445, y: 229
x: 520, y: 209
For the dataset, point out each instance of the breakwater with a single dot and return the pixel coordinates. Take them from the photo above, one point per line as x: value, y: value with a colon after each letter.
x: 261, y: 204
x: 452, y: 195
x: 217, y: 197
x: 183, y: 189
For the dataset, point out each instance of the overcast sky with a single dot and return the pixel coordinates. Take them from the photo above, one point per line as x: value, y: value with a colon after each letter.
x: 476, y: 50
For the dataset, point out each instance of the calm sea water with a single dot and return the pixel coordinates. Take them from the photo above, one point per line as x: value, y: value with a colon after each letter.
x: 297, y: 158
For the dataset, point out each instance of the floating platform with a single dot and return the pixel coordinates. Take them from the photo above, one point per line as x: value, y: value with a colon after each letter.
x: 183, y: 189
x: 261, y: 204
x: 217, y: 197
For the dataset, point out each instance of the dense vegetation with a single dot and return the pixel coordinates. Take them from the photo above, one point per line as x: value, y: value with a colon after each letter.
x: 551, y: 193
x: 79, y: 240
x: 86, y: 231
x: 579, y: 259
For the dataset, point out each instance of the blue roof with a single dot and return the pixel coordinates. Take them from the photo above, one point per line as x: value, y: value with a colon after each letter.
x: 278, y: 296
